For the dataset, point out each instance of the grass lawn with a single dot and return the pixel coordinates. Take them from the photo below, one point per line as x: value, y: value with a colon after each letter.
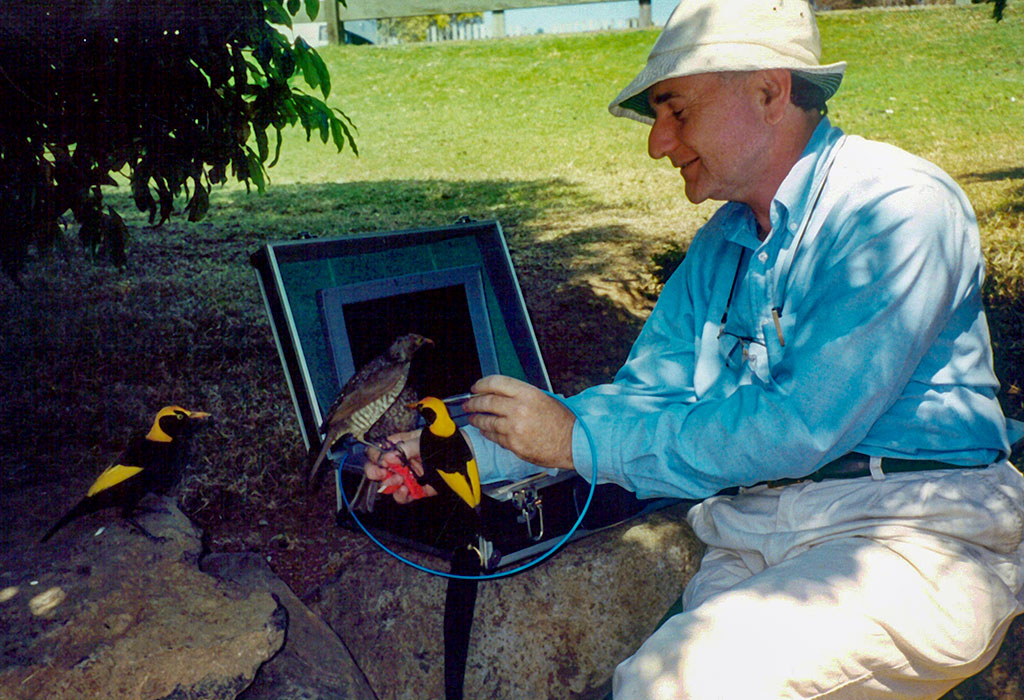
x: 513, y: 129
x: 518, y: 130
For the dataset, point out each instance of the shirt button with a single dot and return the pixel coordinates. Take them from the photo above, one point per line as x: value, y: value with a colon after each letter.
x: 792, y: 226
x: 762, y: 256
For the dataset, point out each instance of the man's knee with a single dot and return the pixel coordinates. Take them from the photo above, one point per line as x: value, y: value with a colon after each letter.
x: 702, y: 655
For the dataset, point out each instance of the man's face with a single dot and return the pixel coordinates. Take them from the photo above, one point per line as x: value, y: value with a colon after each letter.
x: 712, y: 130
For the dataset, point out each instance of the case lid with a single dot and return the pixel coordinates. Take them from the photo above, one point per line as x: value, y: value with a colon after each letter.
x: 335, y: 303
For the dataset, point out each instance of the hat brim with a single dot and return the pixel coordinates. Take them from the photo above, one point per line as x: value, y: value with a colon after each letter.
x: 633, y: 103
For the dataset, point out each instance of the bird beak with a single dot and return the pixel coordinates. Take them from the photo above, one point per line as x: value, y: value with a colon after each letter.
x: 198, y: 415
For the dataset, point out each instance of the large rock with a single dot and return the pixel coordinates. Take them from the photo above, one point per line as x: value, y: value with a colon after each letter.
x: 314, y: 663
x: 555, y: 631
x: 117, y: 615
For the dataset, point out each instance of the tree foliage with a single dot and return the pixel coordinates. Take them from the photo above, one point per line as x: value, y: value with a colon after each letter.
x: 178, y: 95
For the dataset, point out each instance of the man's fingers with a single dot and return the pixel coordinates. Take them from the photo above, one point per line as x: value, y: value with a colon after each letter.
x: 482, y: 404
x: 493, y: 405
x: 488, y: 423
x: 403, y: 497
x: 497, y: 438
x: 494, y: 393
x: 497, y: 384
x: 375, y: 472
x: 406, y: 444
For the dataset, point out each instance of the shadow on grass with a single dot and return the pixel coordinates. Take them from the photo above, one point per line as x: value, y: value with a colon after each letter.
x: 582, y: 299
x: 1014, y: 203
x: 352, y: 207
x: 1004, y: 292
x: 993, y: 175
x: 89, y: 351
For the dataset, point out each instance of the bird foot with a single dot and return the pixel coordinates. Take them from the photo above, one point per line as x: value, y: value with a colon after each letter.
x: 149, y: 535
x: 386, y: 445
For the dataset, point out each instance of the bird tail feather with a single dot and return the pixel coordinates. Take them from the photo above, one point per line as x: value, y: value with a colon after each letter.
x: 80, y: 509
x: 314, y: 471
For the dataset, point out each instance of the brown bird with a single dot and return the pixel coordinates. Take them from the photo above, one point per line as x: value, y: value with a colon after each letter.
x: 370, y: 397
x: 400, y: 417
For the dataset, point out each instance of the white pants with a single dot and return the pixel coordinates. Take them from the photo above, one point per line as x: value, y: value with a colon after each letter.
x: 859, y: 588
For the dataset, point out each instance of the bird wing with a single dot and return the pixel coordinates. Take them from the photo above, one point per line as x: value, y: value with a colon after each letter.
x: 111, y: 476
x: 375, y: 386
x: 400, y: 416
x: 464, y: 481
x: 451, y: 459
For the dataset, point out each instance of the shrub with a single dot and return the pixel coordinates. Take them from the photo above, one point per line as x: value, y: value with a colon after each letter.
x: 177, y: 95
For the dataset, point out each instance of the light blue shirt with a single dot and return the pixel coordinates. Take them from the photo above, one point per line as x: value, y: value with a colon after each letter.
x: 874, y: 268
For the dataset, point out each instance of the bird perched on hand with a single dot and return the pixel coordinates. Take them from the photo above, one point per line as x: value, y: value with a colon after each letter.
x: 446, y: 455
x: 152, y: 462
x: 447, y: 458
x: 370, y: 396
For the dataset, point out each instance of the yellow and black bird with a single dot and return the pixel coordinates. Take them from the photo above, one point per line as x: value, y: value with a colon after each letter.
x: 447, y: 459
x: 445, y: 454
x: 368, y: 405
x: 152, y: 462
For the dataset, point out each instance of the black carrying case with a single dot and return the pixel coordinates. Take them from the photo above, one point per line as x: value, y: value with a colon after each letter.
x: 334, y: 303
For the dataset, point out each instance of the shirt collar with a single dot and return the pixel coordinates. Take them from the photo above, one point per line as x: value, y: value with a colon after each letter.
x: 794, y: 196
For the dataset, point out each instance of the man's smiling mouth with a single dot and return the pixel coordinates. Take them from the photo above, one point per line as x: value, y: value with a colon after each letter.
x: 687, y: 164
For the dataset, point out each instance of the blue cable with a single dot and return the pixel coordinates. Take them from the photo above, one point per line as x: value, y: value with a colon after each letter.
x: 521, y: 568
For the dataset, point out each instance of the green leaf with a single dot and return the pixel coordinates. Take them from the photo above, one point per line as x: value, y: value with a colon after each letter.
x: 337, y: 135
x: 199, y: 204
x: 277, y: 149
x: 140, y: 193
x: 255, y: 169
x: 312, y: 8
x: 262, y: 144
x: 276, y: 13
x: 343, y: 126
x: 293, y: 7
x: 323, y: 121
x: 304, y: 58
x: 322, y: 73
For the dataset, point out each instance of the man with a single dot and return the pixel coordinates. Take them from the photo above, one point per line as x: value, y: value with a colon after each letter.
x: 821, y: 361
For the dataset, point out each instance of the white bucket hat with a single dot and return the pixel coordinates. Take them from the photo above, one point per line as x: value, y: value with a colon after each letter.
x: 711, y: 36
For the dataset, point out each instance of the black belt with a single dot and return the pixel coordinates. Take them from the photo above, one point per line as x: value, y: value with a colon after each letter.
x: 855, y: 466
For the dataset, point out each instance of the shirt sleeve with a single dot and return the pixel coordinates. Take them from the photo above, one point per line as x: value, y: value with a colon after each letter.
x: 658, y: 372
x: 872, y: 301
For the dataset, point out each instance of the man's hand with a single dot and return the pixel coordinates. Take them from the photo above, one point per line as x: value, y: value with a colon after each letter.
x: 376, y: 466
x: 523, y: 419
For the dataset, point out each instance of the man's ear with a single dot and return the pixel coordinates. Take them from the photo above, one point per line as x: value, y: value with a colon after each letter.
x: 774, y: 87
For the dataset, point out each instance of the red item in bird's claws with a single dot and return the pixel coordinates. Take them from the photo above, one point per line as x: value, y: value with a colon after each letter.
x: 408, y: 478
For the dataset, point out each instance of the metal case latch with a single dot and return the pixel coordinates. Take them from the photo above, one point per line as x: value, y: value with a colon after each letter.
x: 531, y: 511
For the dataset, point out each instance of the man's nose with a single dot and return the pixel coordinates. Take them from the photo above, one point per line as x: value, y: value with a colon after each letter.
x: 662, y: 139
